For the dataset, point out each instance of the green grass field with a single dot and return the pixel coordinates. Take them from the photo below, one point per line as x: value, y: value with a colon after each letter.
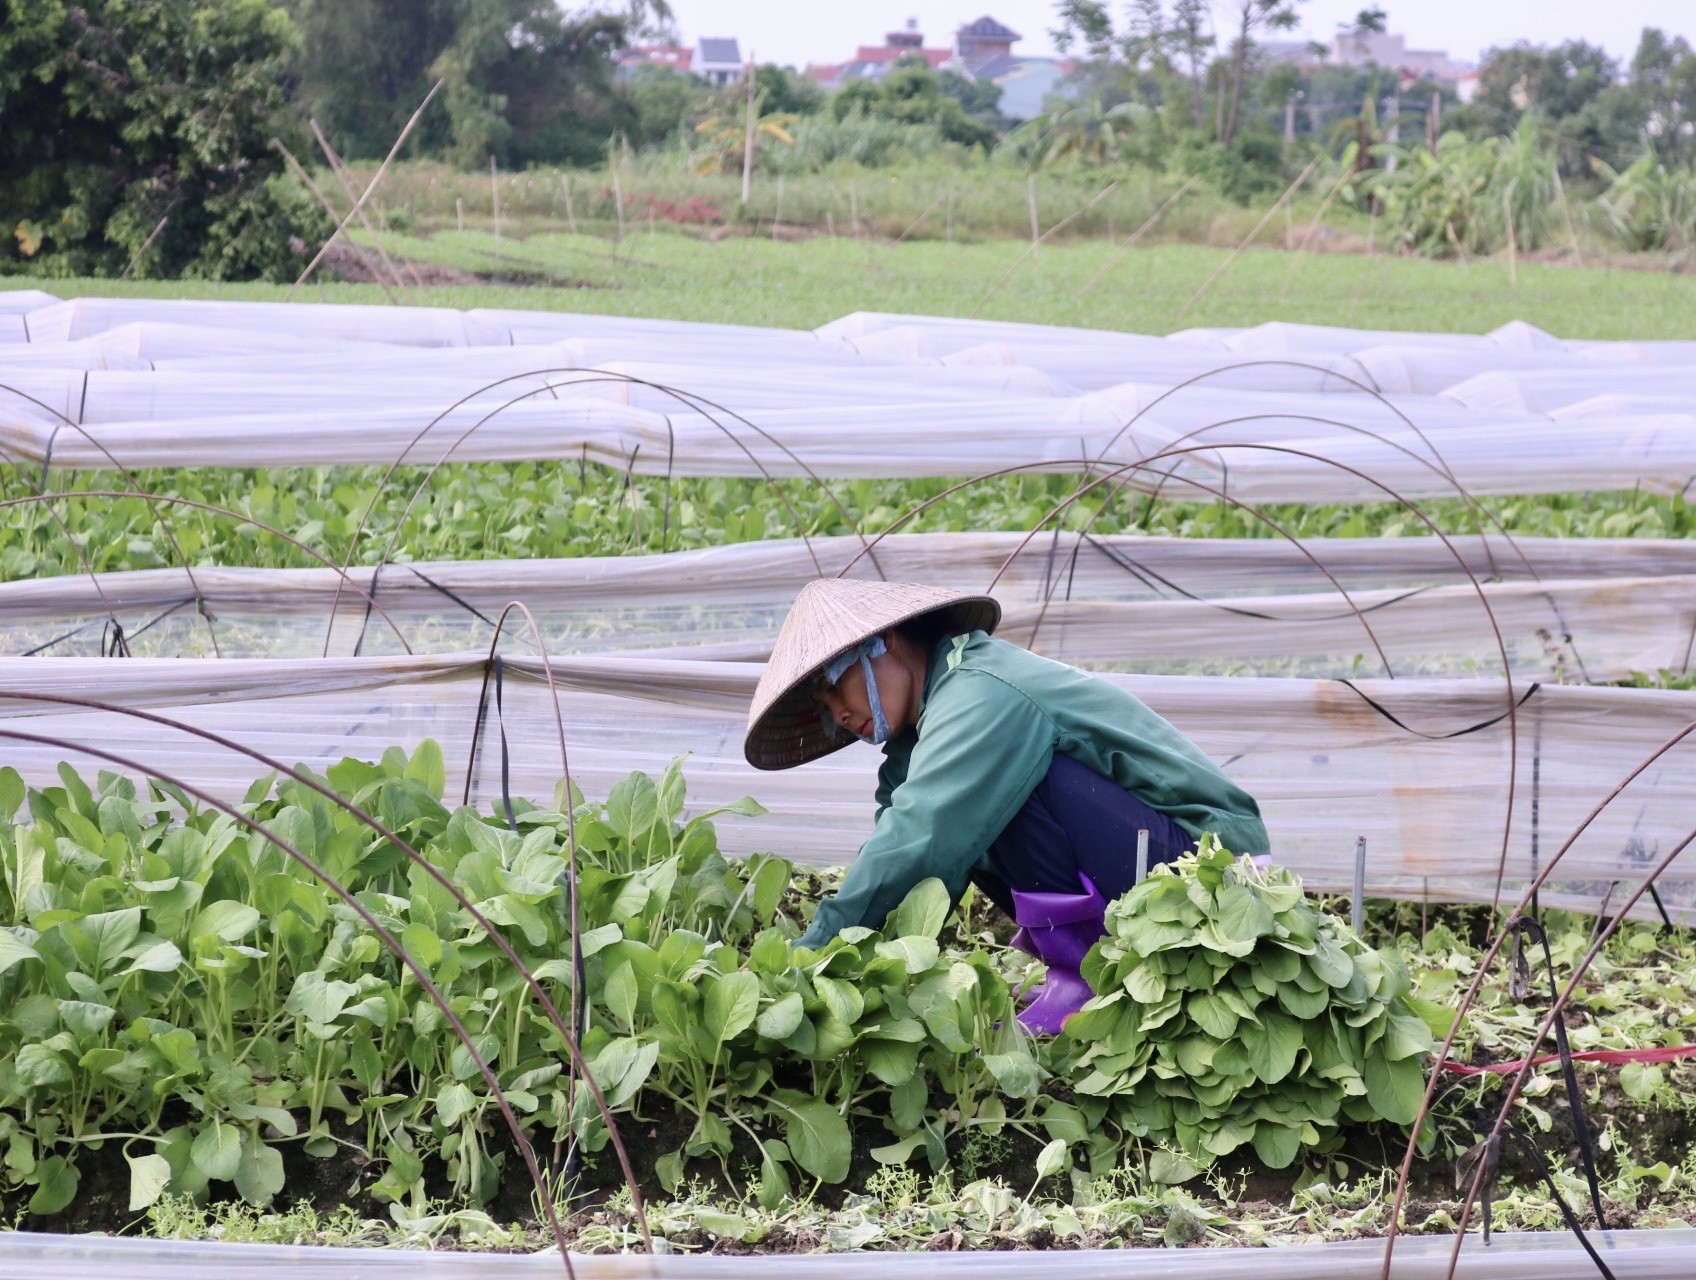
x: 803, y: 284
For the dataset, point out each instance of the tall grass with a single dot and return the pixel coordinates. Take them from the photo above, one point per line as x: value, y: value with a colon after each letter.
x: 1649, y: 207
x: 1469, y: 196
x: 978, y: 199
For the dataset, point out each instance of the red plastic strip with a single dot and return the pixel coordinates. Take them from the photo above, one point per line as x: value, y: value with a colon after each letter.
x: 1616, y: 1057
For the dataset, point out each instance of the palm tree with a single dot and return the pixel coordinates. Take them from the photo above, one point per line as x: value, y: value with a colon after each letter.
x: 724, y: 136
x: 1085, y: 131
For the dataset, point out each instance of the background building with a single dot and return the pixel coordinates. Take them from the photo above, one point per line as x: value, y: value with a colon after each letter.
x: 719, y: 60
x: 982, y: 50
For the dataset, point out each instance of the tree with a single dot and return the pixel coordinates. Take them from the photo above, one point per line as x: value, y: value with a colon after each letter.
x: 787, y: 92
x: 664, y: 102
x: 1662, y: 78
x: 141, y: 129
x: 979, y: 99
x: 361, y: 67
x: 1574, y: 89
x: 1252, y: 16
x: 912, y: 94
x: 526, y: 80
x: 1189, y: 21
x: 1150, y: 40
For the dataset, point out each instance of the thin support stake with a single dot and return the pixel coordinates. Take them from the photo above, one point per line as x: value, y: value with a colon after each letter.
x: 618, y: 199
x: 1513, y: 243
x: 748, y: 131
x: 1357, y: 909
x: 1136, y: 235
x: 1566, y: 212
x: 145, y: 246
x: 1142, y: 854
x: 371, y: 187
x: 1064, y: 222
x: 342, y: 176
x: 1250, y: 238
x: 299, y: 171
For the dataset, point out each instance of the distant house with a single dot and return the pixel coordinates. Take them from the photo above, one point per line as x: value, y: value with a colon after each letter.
x: 1028, y: 84
x: 980, y: 43
x: 1304, y: 54
x: 670, y: 56
x: 719, y: 60
x: 983, y: 50
x: 874, y: 61
x: 1356, y: 47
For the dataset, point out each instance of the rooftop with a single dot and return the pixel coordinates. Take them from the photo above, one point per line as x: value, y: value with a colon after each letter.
x: 988, y: 28
x: 714, y: 49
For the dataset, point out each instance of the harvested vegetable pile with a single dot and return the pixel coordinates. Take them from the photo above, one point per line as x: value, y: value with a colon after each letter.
x: 1230, y: 1010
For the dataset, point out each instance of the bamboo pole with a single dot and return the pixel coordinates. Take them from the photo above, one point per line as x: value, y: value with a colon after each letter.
x: 376, y: 179
x: 1312, y: 228
x: 748, y: 138
x: 1008, y: 274
x: 1258, y: 228
x: 1137, y: 235
x: 878, y: 254
x: 148, y: 244
x: 299, y: 171
x: 570, y: 209
x: 495, y: 204
x: 1566, y: 212
x: 1030, y: 201
x: 618, y: 199
x: 1513, y: 245
x: 342, y: 176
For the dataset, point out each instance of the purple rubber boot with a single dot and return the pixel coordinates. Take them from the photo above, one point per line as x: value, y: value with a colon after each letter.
x: 1058, y: 929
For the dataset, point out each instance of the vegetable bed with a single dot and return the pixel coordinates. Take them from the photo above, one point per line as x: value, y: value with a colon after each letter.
x: 199, y: 1036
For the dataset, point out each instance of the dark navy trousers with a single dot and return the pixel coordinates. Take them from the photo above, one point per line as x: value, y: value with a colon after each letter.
x: 1076, y: 820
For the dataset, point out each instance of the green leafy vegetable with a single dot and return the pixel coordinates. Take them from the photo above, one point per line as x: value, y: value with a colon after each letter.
x: 1229, y: 1012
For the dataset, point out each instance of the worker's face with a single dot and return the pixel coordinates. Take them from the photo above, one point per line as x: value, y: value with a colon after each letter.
x: 849, y: 706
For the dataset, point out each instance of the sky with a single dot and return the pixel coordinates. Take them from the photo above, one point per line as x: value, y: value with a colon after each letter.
x: 800, y: 31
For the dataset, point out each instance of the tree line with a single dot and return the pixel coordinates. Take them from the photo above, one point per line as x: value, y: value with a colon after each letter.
x: 148, y: 135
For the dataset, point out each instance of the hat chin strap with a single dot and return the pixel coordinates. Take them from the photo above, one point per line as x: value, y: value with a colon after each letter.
x: 863, y: 653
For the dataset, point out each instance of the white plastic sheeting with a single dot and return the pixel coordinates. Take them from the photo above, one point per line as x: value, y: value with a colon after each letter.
x: 1551, y: 390
x: 321, y: 321
x: 1548, y: 1255
x: 244, y: 384
x: 1420, y: 767
x: 1573, y: 610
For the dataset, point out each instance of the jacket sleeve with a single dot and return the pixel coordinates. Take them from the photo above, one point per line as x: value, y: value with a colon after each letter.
x: 983, y: 747
x: 889, y: 776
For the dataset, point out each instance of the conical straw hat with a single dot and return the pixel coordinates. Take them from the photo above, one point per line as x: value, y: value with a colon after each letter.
x: 831, y: 616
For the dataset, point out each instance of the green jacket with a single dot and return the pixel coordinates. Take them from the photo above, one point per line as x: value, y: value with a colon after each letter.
x: 992, y: 717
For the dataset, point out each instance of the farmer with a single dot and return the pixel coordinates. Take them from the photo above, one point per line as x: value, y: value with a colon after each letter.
x: 1023, y: 776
